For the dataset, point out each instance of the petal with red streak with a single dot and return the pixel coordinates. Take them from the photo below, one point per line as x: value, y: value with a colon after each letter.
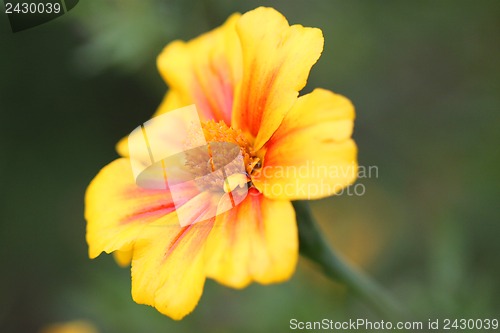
x: 255, y: 241
x: 168, y: 268
x: 117, y: 210
x: 204, y: 71
x: 311, y: 155
x: 277, y: 59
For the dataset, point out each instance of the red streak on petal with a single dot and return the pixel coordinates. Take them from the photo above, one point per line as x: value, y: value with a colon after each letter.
x: 246, y: 212
x: 257, y: 208
x: 177, y: 239
x: 231, y: 221
x: 160, y: 203
x: 202, y: 229
x: 252, y: 110
x: 136, y: 191
x: 173, y: 244
x: 213, y: 90
x: 226, y: 90
x: 146, y: 214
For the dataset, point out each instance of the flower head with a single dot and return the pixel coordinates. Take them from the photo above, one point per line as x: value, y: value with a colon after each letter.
x: 77, y: 326
x: 244, y: 77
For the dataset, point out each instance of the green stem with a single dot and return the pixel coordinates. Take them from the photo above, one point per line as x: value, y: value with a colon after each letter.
x: 314, y: 246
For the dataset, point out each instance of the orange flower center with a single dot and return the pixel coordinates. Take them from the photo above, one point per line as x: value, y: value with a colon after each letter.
x: 224, y: 144
x: 220, y: 132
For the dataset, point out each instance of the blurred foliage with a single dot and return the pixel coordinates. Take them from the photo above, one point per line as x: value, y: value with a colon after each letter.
x: 124, y: 34
x: 424, y: 77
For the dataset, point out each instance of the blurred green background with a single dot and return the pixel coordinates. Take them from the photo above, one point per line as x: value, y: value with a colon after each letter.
x: 425, y: 79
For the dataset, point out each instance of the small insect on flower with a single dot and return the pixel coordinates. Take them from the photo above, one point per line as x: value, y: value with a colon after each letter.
x: 244, y: 79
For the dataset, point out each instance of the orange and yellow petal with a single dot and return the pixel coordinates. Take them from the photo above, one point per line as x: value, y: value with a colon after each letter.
x: 205, y: 70
x: 311, y: 155
x: 277, y: 59
x: 255, y: 241
x: 117, y: 210
x: 168, y: 268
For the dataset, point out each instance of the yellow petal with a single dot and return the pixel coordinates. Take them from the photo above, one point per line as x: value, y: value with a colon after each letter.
x: 168, y: 268
x: 117, y: 210
x: 311, y: 154
x: 122, y: 258
x: 205, y: 70
x: 277, y: 59
x: 255, y: 241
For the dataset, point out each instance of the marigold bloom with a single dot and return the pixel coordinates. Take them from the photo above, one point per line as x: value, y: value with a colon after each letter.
x: 244, y: 77
x: 77, y: 326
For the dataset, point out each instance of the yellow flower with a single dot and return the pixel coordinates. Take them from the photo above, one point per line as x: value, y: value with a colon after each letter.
x: 77, y: 326
x: 244, y: 78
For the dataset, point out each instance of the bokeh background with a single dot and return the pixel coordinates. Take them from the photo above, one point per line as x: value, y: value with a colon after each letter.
x: 425, y: 79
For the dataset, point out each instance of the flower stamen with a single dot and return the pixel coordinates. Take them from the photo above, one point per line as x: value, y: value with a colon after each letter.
x: 223, y: 143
